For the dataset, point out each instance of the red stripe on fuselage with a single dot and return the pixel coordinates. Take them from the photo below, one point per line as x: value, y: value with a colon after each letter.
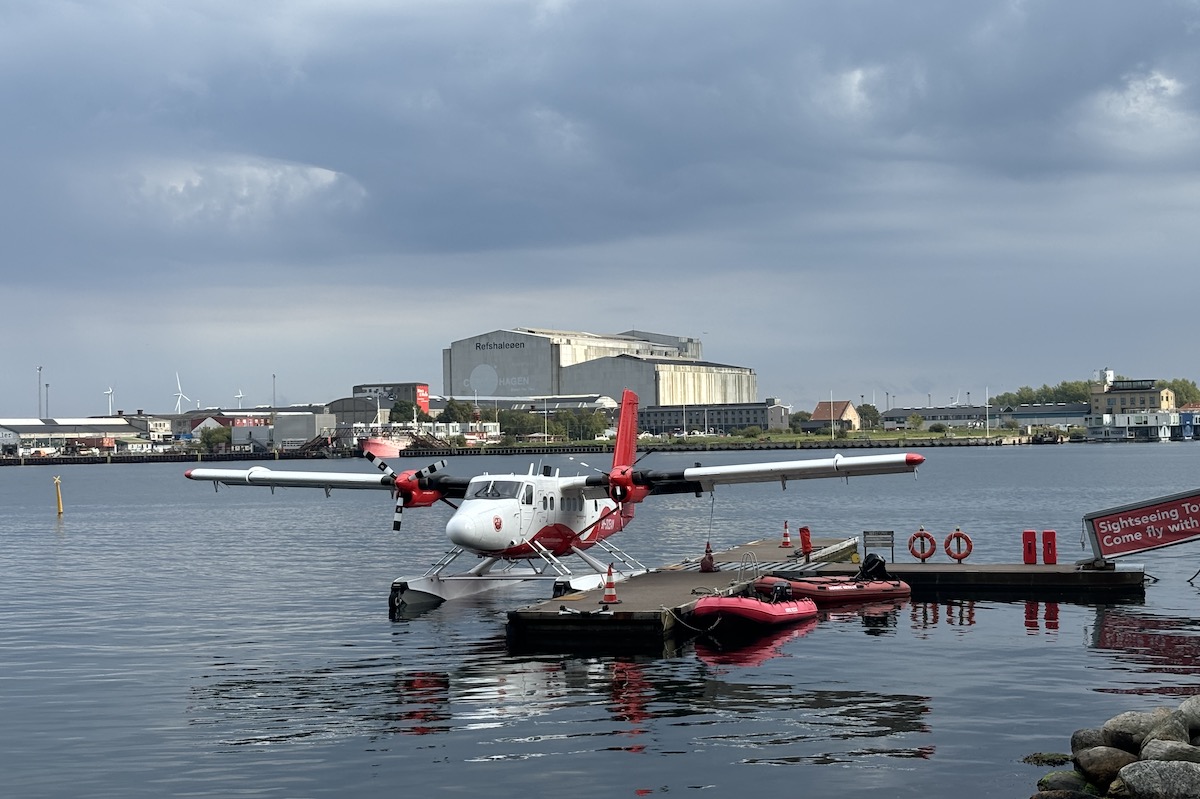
x: 560, y: 539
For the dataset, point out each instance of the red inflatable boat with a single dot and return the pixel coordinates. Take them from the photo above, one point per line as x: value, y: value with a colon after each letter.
x: 832, y: 590
x: 755, y: 610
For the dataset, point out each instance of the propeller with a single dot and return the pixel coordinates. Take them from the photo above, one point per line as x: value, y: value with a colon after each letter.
x: 410, y: 481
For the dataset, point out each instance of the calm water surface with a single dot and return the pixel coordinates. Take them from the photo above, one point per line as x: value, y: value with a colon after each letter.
x: 161, y: 639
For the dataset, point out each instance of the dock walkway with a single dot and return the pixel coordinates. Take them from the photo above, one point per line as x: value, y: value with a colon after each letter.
x: 654, y: 609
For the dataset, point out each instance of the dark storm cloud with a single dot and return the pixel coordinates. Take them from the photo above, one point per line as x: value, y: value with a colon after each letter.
x: 889, y: 148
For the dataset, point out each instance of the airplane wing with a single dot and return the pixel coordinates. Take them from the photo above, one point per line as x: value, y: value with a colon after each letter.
x: 262, y: 476
x: 447, y: 485
x: 697, y: 479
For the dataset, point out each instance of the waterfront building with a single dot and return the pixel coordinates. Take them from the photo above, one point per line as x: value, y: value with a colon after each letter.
x: 524, y: 362
x: 19, y: 437
x: 1046, y: 414
x: 1132, y: 410
x: 965, y: 416
x: 839, y: 414
x: 713, y: 419
x: 387, y: 394
x: 1112, y: 396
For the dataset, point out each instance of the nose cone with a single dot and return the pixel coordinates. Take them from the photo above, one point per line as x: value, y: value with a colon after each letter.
x: 461, y: 531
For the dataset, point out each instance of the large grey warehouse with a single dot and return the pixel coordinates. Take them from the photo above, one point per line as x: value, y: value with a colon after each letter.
x: 532, y: 362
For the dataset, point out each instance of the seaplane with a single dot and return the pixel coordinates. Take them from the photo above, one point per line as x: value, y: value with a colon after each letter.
x: 527, y: 526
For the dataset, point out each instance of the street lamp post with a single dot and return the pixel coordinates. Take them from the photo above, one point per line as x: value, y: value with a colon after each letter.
x: 39, y: 390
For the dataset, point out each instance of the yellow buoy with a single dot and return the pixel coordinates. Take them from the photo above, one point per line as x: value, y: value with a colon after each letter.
x: 58, y: 492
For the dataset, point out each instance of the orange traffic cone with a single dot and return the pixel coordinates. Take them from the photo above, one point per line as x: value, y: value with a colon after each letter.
x: 786, y: 543
x: 610, y: 590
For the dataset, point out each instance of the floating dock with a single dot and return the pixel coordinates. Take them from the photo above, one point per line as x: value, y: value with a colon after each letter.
x: 654, y: 610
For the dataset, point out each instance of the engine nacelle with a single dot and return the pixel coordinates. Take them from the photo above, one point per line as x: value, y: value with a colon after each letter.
x: 621, y: 487
x: 408, y: 486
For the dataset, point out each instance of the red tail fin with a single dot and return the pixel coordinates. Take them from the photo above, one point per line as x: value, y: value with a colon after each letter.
x: 625, y: 451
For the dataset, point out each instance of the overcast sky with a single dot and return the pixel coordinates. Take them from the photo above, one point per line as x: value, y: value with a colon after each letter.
x: 913, y: 201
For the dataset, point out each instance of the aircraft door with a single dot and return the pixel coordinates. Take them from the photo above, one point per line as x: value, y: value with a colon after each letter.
x: 527, y: 509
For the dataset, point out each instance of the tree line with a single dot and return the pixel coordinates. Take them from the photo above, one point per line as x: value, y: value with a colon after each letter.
x: 1186, y: 392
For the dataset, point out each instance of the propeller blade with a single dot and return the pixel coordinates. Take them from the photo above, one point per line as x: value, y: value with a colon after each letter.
x: 420, y: 474
x: 432, y: 468
x: 381, y: 464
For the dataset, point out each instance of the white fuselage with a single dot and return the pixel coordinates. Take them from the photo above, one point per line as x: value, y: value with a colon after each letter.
x: 502, y: 514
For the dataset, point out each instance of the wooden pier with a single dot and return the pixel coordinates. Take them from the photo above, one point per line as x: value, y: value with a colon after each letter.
x: 654, y: 610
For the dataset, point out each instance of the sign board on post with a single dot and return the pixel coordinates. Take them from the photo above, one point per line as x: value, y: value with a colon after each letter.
x: 1142, y: 526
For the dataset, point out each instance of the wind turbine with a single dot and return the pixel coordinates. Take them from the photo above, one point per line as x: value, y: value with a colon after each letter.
x: 109, y: 393
x: 179, y: 395
x: 238, y: 396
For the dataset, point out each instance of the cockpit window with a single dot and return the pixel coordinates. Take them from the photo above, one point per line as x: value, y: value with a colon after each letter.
x: 497, y: 489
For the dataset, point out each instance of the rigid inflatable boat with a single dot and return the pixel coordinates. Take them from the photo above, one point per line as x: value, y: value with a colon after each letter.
x: 833, y: 590
x: 779, y: 608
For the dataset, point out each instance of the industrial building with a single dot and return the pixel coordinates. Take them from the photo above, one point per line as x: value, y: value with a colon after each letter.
x: 533, y: 362
x: 387, y: 394
x: 713, y: 419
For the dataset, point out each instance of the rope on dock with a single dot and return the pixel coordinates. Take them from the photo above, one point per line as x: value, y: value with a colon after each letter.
x: 679, y: 620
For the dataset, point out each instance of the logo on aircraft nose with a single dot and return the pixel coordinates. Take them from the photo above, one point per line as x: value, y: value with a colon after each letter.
x: 497, y: 522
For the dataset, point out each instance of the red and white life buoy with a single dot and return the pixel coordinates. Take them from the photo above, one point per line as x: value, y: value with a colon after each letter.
x: 958, y: 545
x: 928, y: 545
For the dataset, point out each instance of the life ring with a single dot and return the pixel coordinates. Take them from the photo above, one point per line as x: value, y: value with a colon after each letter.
x: 963, y: 548
x: 927, y: 548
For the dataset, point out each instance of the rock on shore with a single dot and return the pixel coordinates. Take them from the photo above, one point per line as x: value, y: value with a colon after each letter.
x: 1135, y: 755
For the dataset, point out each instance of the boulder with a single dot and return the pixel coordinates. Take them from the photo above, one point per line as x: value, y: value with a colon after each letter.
x: 1086, y: 739
x: 1161, y: 779
x: 1100, y: 764
x: 1190, y: 708
x: 1127, y: 730
x: 1171, y: 728
x: 1063, y: 795
x: 1170, y: 750
x: 1062, y: 781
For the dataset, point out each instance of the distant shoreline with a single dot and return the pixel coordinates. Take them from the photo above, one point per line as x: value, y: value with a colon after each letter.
x: 565, y: 449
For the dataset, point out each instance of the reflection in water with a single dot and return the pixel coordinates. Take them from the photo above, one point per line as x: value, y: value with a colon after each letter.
x: 926, y: 615
x: 626, y: 704
x: 877, y: 618
x: 1050, y: 618
x: 1151, y: 643
x: 738, y: 650
x: 424, y: 699
x: 786, y: 726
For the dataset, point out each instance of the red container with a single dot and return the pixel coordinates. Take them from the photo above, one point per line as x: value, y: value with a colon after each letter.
x: 1029, y: 546
x: 1049, y: 547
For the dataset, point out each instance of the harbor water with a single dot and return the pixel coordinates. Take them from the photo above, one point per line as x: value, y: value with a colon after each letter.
x: 160, y: 639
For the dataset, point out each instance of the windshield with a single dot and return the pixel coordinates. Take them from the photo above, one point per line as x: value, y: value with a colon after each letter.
x: 497, y: 489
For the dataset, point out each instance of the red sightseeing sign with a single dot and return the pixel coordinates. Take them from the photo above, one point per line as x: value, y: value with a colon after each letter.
x: 1147, y: 525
